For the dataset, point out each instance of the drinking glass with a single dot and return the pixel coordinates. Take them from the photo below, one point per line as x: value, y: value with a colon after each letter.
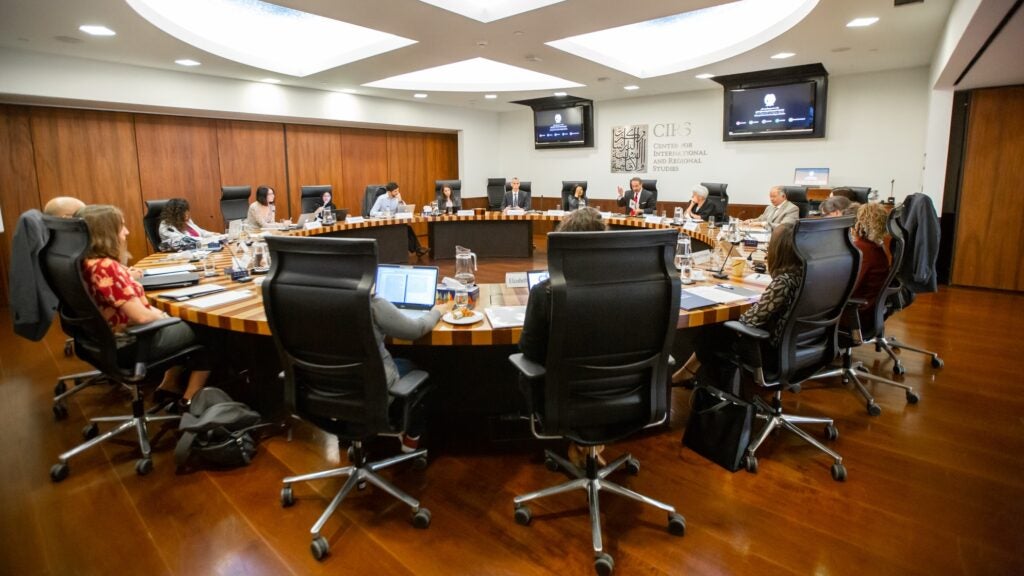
x: 677, y: 215
x: 711, y: 221
x: 462, y: 302
x: 209, y: 266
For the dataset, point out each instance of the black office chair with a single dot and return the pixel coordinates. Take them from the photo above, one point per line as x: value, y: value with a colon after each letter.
x: 568, y: 188
x: 652, y: 186
x: 716, y: 192
x: 338, y: 383
x: 859, y: 194
x: 902, y: 295
x: 809, y: 341
x: 495, y: 193
x: 234, y: 203
x: 858, y: 328
x: 455, y: 185
x: 312, y: 196
x: 603, y: 379
x: 370, y: 197
x: 798, y: 195
x: 151, y: 222
x: 95, y: 342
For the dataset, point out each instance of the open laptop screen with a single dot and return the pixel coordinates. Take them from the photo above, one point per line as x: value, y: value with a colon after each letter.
x: 534, y: 277
x: 410, y: 287
x: 811, y: 177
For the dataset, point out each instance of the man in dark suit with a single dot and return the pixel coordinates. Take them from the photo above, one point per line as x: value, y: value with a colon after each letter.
x: 515, y: 198
x: 638, y: 200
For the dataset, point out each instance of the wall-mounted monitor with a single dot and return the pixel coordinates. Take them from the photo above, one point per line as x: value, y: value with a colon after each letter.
x: 775, y: 104
x: 561, y: 122
x: 814, y: 177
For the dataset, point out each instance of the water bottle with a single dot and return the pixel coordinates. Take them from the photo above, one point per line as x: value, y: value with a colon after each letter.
x: 684, y: 258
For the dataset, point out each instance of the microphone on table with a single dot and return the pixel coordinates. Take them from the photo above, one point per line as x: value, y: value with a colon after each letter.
x: 720, y: 274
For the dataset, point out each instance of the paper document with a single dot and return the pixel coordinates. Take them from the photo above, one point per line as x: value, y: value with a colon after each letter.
x: 758, y: 279
x: 761, y: 237
x: 689, y: 301
x: 218, y: 299
x: 170, y: 269
x: 716, y: 294
x: 515, y: 279
x: 506, y: 316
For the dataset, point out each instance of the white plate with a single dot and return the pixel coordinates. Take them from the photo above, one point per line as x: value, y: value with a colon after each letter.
x: 476, y: 317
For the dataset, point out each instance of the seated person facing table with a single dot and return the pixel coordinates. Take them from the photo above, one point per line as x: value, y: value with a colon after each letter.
x: 638, y: 200
x: 122, y: 300
x: 177, y: 230
x: 769, y: 313
x: 833, y: 206
x: 515, y: 198
x: 448, y: 203
x: 869, y: 235
x: 780, y: 211
x: 387, y: 204
x: 700, y: 207
x: 261, y: 212
x: 577, y: 200
x: 325, y: 202
x: 533, y: 342
x: 63, y: 206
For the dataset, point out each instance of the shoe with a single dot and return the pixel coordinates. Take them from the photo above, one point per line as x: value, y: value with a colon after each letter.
x: 409, y: 443
x: 683, y: 377
x: 422, y: 251
x: 179, y: 406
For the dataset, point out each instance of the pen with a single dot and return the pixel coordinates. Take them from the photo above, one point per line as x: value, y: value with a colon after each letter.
x: 725, y: 286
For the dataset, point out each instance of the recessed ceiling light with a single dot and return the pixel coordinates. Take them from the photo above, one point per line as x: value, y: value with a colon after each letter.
x: 782, y: 55
x: 560, y: 94
x: 419, y: 95
x: 97, y: 30
x: 491, y: 96
x: 474, y: 75
x: 631, y: 87
x: 861, y: 22
x: 270, y: 80
x: 186, y: 62
x: 705, y: 76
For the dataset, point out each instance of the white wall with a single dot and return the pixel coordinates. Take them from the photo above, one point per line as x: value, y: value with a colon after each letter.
x: 56, y: 80
x: 876, y: 132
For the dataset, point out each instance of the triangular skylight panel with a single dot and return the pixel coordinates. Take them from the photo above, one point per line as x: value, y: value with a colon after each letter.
x: 475, y: 75
x: 490, y: 10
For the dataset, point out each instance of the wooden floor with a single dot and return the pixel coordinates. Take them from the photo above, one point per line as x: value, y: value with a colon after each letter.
x: 936, y: 488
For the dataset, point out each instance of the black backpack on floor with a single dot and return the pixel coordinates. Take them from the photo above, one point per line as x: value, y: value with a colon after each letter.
x: 217, y: 431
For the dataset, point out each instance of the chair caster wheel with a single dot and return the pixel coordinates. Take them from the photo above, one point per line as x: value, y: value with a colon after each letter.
x: 898, y: 369
x: 750, y: 463
x: 831, y: 432
x: 60, y: 388
x: 603, y: 564
x: 319, y: 548
x: 523, y: 515
x: 550, y: 464
x: 60, y: 412
x: 874, y: 409
x: 69, y: 348
x: 59, y: 472
x: 633, y: 466
x: 361, y: 485
x: 420, y: 463
x: 676, y: 524
x: 937, y: 362
x: 143, y: 466
x: 421, y: 519
x: 90, y: 431
x: 912, y: 398
x: 287, y: 497
x: 839, y: 472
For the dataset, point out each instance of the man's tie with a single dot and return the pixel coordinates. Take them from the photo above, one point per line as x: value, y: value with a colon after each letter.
x: 515, y: 200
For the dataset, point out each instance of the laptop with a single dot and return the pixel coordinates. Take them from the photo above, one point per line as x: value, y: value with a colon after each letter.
x: 304, y: 218
x: 534, y: 277
x: 174, y: 280
x: 406, y: 208
x: 412, y: 289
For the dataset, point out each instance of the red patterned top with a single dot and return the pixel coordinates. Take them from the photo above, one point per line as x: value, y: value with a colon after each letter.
x: 111, y: 287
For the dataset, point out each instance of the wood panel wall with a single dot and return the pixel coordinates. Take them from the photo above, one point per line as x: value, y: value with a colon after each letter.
x: 125, y: 159
x: 989, y: 236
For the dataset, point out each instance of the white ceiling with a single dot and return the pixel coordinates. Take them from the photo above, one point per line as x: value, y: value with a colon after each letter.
x: 906, y: 36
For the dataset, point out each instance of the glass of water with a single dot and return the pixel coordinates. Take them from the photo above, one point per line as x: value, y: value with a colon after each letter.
x: 209, y: 266
x: 462, y: 302
x: 711, y: 221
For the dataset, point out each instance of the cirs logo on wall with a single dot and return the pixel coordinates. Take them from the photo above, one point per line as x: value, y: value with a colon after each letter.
x: 769, y: 99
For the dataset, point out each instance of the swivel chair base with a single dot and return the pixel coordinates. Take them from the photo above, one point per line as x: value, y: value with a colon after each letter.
x: 592, y: 481
x: 79, y: 381
x: 137, y: 421
x: 890, y: 345
x: 774, y: 418
x: 853, y: 371
x: 358, y: 475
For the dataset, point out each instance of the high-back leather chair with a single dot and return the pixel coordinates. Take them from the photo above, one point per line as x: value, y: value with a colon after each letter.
x: 798, y: 195
x: 652, y: 186
x: 311, y: 196
x: 868, y: 326
x: 151, y: 222
x: 604, y: 379
x: 568, y: 187
x: 809, y: 339
x: 234, y: 203
x: 338, y: 383
x: 495, y: 193
x: 717, y: 193
x: 95, y: 342
x: 455, y: 185
x: 370, y: 196
x: 859, y: 194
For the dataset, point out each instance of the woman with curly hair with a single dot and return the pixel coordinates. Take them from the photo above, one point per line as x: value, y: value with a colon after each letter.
x: 177, y: 230
x: 869, y: 237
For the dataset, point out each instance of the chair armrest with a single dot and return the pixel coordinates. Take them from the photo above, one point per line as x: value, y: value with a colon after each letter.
x: 528, y: 368
x: 748, y: 331
x: 142, y: 329
x: 409, y: 384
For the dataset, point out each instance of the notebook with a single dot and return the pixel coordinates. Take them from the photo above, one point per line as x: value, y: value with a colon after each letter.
x: 410, y: 288
x: 534, y: 277
x: 688, y: 301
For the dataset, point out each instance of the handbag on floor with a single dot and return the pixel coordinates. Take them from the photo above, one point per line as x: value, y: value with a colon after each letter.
x: 217, y: 431
x: 719, y: 427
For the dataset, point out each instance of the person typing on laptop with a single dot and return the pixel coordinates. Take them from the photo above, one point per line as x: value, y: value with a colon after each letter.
x: 386, y: 205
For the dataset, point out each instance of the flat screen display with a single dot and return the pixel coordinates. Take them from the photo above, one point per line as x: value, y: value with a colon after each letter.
x: 781, y: 109
x: 559, y: 126
x: 815, y: 177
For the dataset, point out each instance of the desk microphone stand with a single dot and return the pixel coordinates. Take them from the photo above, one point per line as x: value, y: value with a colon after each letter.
x: 720, y: 274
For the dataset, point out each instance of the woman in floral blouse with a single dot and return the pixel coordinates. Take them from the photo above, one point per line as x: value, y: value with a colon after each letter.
x: 122, y: 301
x: 769, y: 313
